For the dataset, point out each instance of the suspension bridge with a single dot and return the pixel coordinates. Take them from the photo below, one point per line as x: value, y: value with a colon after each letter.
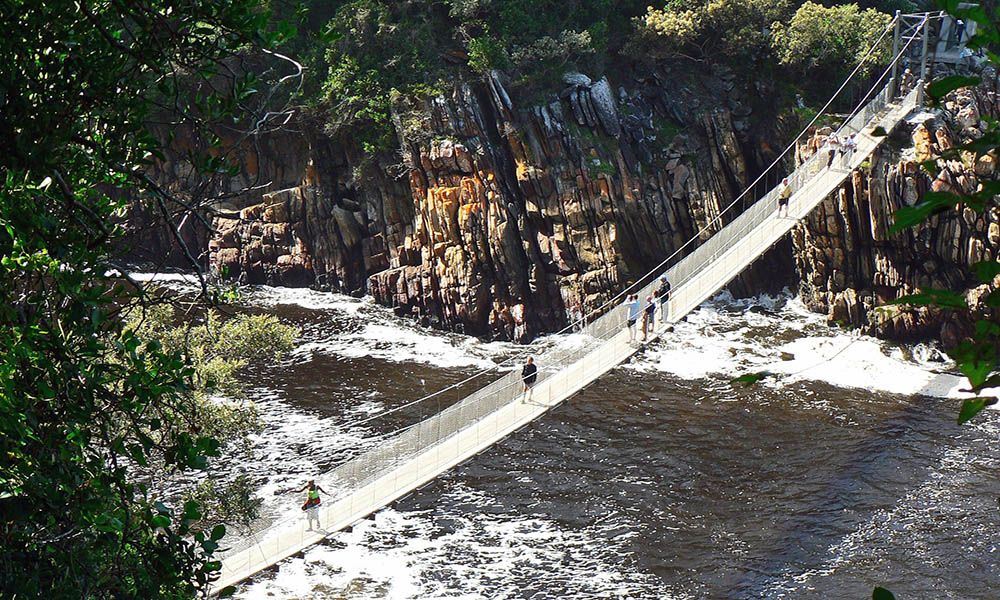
x: 416, y: 455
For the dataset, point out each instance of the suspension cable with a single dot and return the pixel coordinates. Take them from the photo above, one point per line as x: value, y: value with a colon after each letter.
x: 652, y: 272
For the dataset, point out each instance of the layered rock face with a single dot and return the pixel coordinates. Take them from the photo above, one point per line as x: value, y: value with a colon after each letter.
x: 505, y: 220
x: 850, y: 264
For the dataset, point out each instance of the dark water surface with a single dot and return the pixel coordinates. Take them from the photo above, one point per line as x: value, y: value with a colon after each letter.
x: 655, y: 482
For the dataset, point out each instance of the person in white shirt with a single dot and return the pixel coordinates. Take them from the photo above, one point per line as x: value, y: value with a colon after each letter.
x: 634, y: 310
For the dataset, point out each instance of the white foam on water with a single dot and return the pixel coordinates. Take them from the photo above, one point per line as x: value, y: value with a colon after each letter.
x: 935, y: 498
x: 160, y: 277
x: 399, y: 344
x: 433, y: 554
x: 181, y: 283
x: 729, y: 338
x: 268, y: 296
x: 296, y: 446
x: 861, y: 362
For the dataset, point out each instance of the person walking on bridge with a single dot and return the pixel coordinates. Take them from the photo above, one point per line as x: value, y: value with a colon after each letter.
x: 848, y: 148
x: 529, y: 374
x: 784, y: 196
x: 648, y: 313
x: 832, y: 145
x: 663, y: 295
x: 634, y: 310
x: 311, y: 506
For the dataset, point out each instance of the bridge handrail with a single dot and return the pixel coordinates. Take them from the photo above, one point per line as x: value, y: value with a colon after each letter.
x: 507, y: 388
x: 365, y: 467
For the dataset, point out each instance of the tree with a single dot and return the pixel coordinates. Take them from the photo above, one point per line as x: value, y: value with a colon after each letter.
x: 830, y: 40
x: 84, y: 400
x: 719, y: 30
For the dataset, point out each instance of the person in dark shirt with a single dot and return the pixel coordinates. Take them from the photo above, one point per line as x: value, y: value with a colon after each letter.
x: 648, y: 313
x: 663, y: 295
x: 529, y: 373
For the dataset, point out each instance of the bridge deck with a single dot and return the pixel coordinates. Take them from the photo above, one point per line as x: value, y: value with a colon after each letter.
x: 423, y: 452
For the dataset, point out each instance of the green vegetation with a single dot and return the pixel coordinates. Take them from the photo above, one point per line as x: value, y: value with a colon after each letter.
x: 378, y: 55
x: 86, y: 402
x: 377, y: 51
x: 977, y: 356
x: 596, y: 168
x: 714, y: 29
x: 829, y: 41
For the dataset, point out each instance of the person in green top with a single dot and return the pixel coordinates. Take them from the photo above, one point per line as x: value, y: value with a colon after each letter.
x: 312, y: 503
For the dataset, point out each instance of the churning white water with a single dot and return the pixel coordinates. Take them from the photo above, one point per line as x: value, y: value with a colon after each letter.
x: 843, y: 469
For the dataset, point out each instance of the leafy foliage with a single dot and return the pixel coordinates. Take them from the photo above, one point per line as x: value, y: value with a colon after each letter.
x: 976, y: 357
x: 378, y: 51
x: 84, y: 400
x: 719, y: 29
x: 222, y: 504
x: 830, y: 40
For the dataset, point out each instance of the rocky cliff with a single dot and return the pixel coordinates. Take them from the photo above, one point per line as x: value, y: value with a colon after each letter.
x: 500, y: 217
x: 849, y: 263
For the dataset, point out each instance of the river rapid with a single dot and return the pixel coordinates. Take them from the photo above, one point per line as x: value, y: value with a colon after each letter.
x: 842, y: 470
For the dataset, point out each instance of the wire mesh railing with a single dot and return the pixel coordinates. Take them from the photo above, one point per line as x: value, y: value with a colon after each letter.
x: 509, y: 388
x: 589, y: 352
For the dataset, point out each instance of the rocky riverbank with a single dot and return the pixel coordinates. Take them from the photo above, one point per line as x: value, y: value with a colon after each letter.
x: 503, y: 218
x: 848, y: 262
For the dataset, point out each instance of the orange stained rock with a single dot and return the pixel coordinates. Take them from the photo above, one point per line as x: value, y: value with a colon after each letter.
x: 522, y: 169
x: 465, y: 213
x: 603, y: 188
x: 443, y: 198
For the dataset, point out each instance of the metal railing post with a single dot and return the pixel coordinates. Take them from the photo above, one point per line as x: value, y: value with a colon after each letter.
x: 893, y: 81
x: 925, y: 32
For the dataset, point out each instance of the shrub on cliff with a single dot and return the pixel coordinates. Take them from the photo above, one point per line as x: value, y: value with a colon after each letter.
x: 715, y: 30
x: 830, y: 41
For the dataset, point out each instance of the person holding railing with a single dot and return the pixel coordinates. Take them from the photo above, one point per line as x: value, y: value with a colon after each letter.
x: 311, y: 506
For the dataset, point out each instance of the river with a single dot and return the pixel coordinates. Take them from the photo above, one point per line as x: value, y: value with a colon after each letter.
x: 842, y: 470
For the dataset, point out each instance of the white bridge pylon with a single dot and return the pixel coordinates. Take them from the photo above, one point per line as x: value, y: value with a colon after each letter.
x: 420, y: 453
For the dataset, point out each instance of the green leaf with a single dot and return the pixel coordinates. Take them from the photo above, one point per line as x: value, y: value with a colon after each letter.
x: 986, y: 270
x: 192, y: 510
x: 749, y: 379
x: 941, y: 87
x: 227, y: 591
x: 218, y: 531
x: 880, y: 593
x: 972, y: 407
x: 109, y: 524
x: 932, y: 202
x: 942, y: 298
x: 161, y: 521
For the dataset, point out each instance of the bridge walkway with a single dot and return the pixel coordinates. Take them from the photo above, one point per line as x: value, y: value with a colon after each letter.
x: 423, y: 451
